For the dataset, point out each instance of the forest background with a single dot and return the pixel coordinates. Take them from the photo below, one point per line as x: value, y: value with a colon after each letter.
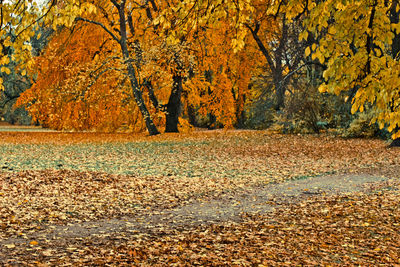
x: 128, y: 66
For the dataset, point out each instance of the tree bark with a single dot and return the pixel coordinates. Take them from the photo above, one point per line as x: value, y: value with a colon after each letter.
x: 274, y: 63
x: 280, y: 91
x: 240, y: 99
x: 279, y: 82
x: 394, y: 18
x: 174, y: 105
x: 137, y: 93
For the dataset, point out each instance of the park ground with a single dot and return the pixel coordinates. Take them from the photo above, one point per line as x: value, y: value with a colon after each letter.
x: 244, y: 198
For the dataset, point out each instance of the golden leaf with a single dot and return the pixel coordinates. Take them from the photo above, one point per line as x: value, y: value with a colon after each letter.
x: 33, y: 243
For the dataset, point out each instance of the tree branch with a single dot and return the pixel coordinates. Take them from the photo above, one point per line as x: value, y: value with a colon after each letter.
x: 130, y: 24
x: 53, y: 2
x: 101, y: 25
x: 115, y: 3
x: 261, y: 46
x: 296, y: 70
x: 147, y: 84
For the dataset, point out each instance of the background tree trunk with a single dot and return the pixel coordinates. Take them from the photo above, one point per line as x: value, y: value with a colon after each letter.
x: 174, y: 105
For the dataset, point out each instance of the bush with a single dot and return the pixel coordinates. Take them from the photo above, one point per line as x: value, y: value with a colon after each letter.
x: 306, y: 111
x: 361, y: 126
x: 304, y: 108
x: 259, y: 112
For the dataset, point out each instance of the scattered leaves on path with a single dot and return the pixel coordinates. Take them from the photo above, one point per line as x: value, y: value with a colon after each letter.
x: 354, y: 229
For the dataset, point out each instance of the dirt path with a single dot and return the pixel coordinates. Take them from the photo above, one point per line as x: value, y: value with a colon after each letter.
x: 7, y: 127
x: 228, y: 208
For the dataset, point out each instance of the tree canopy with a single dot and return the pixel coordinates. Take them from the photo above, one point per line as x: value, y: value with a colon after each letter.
x: 152, y: 63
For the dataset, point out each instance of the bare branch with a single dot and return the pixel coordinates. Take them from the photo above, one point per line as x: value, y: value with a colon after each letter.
x: 101, y: 25
x: 115, y: 3
x: 261, y: 45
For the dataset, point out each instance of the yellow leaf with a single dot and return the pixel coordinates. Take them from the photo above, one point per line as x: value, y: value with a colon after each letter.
x: 5, y: 70
x: 303, y: 35
x: 322, y: 88
x: 314, y: 46
x: 354, y: 109
x: 308, y: 51
x: 332, y: 30
x: 9, y: 245
x: 313, y: 56
x: 320, y: 57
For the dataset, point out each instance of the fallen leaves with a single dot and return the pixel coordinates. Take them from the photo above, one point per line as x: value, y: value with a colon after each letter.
x: 339, y: 230
x: 9, y: 245
x: 124, y: 176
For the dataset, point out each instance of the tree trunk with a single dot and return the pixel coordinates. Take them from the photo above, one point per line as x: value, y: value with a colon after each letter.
x: 174, y: 105
x: 394, y: 18
x: 212, y: 122
x: 274, y: 63
x: 151, y: 128
x: 280, y: 90
x: 191, y: 112
x: 240, y: 99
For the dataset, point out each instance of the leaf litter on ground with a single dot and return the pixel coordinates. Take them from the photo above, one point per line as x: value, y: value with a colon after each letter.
x: 59, y: 179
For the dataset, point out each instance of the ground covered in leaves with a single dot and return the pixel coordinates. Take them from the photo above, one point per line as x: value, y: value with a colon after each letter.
x: 51, y: 179
x: 335, y: 231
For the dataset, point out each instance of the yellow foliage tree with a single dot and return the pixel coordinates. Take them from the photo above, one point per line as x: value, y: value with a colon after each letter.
x: 359, y: 43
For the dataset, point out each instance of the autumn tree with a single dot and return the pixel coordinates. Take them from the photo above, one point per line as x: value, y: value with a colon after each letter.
x: 219, y: 85
x: 79, y: 85
x: 162, y: 64
x: 199, y: 51
x: 94, y: 59
x: 158, y: 66
x: 18, y: 22
x: 277, y: 38
x: 21, y: 38
x: 117, y: 24
x: 170, y: 35
x: 359, y: 51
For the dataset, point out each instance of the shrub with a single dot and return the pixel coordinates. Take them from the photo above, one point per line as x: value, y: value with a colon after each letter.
x: 361, y: 126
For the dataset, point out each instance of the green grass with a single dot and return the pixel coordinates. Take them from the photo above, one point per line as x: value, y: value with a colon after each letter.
x: 188, y: 159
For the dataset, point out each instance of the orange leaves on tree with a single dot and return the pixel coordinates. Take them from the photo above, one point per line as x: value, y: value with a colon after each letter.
x: 221, y: 84
x: 80, y: 85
